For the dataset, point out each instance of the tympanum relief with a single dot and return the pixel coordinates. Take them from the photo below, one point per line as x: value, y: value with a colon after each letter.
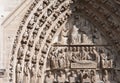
x: 80, y: 55
x: 58, y: 45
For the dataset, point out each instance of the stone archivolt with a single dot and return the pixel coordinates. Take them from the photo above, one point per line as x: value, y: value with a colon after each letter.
x: 57, y: 41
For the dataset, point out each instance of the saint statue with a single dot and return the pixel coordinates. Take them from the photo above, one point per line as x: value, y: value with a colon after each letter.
x: 61, y: 77
x: 18, y: 72
x: 75, y: 36
x: 104, y: 59
x: 72, y: 77
x: 61, y: 61
x: 93, y: 76
x: 26, y: 73
x: 64, y: 35
x: 20, y: 52
x: 33, y: 74
x: 39, y: 73
x: 49, y: 78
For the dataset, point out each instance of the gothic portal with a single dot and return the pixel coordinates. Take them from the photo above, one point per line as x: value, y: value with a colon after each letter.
x: 67, y: 41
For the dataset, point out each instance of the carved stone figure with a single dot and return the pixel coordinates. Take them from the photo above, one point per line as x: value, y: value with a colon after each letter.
x: 28, y: 54
x: 41, y: 61
x: 26, y: 35
x: 37, y: 46
x: 33, y: 74
x: 61, y: 77
x: 93, y: 76
x: 61, y: 60
x: 104, y: 59
x: 34, y: 59
x: 26, y: 73
x: 86, y: 53
x: 74, y: 58
x: 31, y: 22
x: 105, y: 76
x: 45, y: 48
x: 45, y: 3
x: 67, y: 60
x: 18, y: 72
x: 43, y: 34
x: 110, y: 61
x: 52, y: 62
x: 79, y: 76
x: 31, y: 42
x: 74, y: 48
x: 97, y: 56
x: 64, y: 35
x: 40, y: 7
x: 39, y: 74
x: 76, y: 38
x: 49, y: 38
x: 72, y: 77
x: 24, y: 41
x: 20, y: 52
x: 35, y: 32
x: 86, y: 76
x: 49, y: 78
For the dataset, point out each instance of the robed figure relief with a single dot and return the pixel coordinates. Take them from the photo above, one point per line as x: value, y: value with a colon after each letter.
x: 33, y: 74
x: 26, y: 73
x: 49, y: 78
x: 61, y: 77
x: 63, y: 37
x: 75, y: 36
x: 18, y: 72
x: 39, y: 74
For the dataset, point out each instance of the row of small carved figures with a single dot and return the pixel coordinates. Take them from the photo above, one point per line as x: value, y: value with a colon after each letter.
x: 72, y: 76
x: 39, y: 11
x: 111, y: 32
x: 41, y: 21
x: 21, y: 53
x: 42, y: 59
x: 29, y: 53
x: 42, y: 36
x: 27, y: 14
x: 23, y: 22
x: 53, y: 32
x: 27, y: 71
x: 76, y: 49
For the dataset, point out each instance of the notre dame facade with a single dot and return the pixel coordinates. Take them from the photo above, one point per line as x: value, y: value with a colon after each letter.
x: 62, y: 41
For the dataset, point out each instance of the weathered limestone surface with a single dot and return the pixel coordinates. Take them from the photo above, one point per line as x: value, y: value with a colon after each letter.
x: 10, y: 26
x: 63, y: 41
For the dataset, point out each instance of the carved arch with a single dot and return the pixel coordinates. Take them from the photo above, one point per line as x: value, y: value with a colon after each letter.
x: 45, y: 19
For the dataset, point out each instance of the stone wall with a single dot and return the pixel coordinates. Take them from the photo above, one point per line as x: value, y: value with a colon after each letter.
x: 10, y: 20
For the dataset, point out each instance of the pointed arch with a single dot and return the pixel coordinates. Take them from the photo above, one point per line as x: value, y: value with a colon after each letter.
x: 45, y: 19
